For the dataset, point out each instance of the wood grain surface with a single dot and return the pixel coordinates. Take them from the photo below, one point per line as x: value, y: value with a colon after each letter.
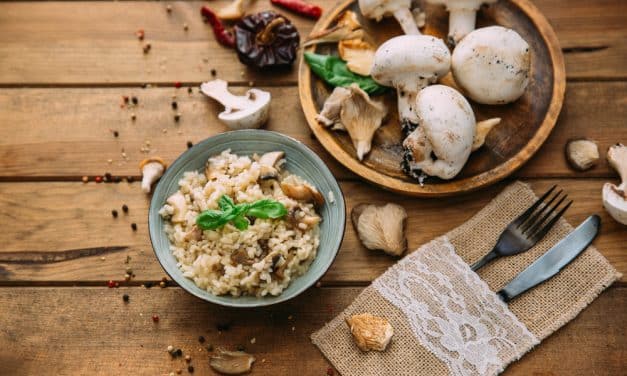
x: 64, y: 67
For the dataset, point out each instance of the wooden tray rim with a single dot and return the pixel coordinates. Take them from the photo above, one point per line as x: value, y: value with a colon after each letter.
x: 453, y: 187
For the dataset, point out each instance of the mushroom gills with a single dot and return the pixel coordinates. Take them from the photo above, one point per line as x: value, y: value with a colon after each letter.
x: 381, y: 227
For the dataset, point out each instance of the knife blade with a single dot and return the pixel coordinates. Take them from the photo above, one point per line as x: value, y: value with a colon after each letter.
x: 554, y: 260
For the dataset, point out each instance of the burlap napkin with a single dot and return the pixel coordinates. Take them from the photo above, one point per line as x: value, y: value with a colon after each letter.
x: 447, y: 319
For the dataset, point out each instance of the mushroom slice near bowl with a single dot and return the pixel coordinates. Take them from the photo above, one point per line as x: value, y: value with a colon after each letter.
x: 381, y: 227
x: 409, y: 70
x: 442, y: 143
x: 231, y: 362
x: 491, y: 65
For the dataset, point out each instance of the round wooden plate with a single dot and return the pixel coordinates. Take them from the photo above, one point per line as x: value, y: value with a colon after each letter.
x: 525, y: 123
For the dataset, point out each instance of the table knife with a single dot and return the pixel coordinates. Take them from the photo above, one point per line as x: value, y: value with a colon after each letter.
x: 556, y: 258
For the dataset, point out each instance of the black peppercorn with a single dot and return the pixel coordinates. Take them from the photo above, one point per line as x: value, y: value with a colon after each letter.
x: 189, y: 144
x: 117, y: 179
x: 116, y: 133
x: 125, y: 297
x: 114, y: 213
x: 190, y: 369
x: 189, y: 90
x: 213, y: 72
x: 130, y: 179
x: 134, y: 100
x: 125, y: 208
x: 175, y: 105
x: 201, y: 339
x: 134, y: 226
x: 178, y: 352
x: 177, y: 117
x: 148, y: 285
x: 108, y: 176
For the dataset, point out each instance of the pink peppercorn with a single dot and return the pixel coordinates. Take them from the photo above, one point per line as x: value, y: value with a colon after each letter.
x: 330, y: 371
x: 155, y: 318
x: 111, y: 284
x: 178, y: 84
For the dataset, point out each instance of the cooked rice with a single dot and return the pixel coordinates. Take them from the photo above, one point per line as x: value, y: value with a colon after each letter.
x: 260, y: 260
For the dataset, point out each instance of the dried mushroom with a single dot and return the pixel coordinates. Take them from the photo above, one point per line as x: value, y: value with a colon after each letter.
x: 231, y: 362
x: 381, y: 227
x: 358, y: 54
x: 615, y: 197
x: 177, y: 202
x: 582, y: 154
x: 481, y: 131
x: 330, y: 114
x: 370, y: 332
x: 361, y: 116
x: 346, y: 27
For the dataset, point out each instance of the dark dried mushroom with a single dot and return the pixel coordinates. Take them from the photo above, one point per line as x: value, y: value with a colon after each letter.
x: 266, y: 40
x: 231, y: 362
x: 381, y: 227
x: 582, y: 154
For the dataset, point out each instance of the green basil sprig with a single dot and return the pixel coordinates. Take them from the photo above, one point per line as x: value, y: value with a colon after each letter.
x: 236, y: 213
x: 333, y: 70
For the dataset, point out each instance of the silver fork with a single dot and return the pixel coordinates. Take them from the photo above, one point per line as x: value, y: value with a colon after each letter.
x: 526, y: 230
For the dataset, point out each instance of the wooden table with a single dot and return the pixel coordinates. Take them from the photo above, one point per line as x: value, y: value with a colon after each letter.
x: 64, y: 68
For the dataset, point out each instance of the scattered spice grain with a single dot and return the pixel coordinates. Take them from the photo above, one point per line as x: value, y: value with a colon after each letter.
x: 125, y: 298
x: 189, y: 144
x: 190, y: 369
x: 134, y: 226
x: 213, y: 72
x: 140, y: 34
x: 189, y: 90
x: 98, y: 179
x: 168, y: 8
x: 177, y: 117
x: 188, y: 358
x: 114, y: 213
x: 330, y: 371
x: 147, y: 48
x: 174, y: 105
x: 178, y: 84
x: 201, y: 339
x: 133, y: 117
x: 155, y: 318
x: 116, y: 133
x: 108, y: 176
x: 125, y: 208
x: 111, y: 284
x: 162, y: 284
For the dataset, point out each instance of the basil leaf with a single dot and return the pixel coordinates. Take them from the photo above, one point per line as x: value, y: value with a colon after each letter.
x: 241, y: 223
x: 267, y: 209
x: 334, y: 71
x: 225, y: 203
x: 211, y: 219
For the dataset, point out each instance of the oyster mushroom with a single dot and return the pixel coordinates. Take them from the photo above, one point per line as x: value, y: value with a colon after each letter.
x: 302, y: 192
x: 240, y: 112
x: 378, y: 9
x: 178, y: 203
x: 482, y: 129
x: 361, y: 116
x: 441, y: 145
x: 462, y: 17
x: 491, y: 65
x: 358, y: 54
x: 582, y: 154
x: 152, y: 169
x: 231, y: 362
x: 233, y: 11
x: 381, y: 227
x: 615, y: 197
x: 347, y: 26
x: 409, y: 69
x: 330, y: 114
x: 268, y: 163
x: 370, y: 332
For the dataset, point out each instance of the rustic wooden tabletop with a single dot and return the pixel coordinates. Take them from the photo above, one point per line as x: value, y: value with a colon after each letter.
x: 64, y: 69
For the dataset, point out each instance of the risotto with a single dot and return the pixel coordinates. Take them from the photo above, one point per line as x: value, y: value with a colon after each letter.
x: 261, y: 259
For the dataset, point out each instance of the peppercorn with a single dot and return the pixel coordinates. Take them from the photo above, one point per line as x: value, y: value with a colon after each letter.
x: 185, y: 27
x: 130, y: 179
x: 175, y: 105
x: 115, y: 134
x: 168, y: 8
x: 125, y: 98
x: 98, y: 179
x: 147, y: 47
x: 114, y: 213
x: 134, y: 226
x: 178, y: 352
x: 213, y: 72
x: 330, y: 371
x: 133, y: 117
x: 189, y: 144
x: 190, y: 369
x: 170, y: 349
x: 155, y: 318
x: 210, y: 347
x: 177, y: 117
x: 178, y: 84
x: 140, y: 34
x: 188, y: 358
x: 108, y: 176
x: 162, y: 284
x: 117, y: 179
x: 125, y: 297
x: 111, y: 284
x: 148, y: 285
x: 85, y: 179
x: 125, y: 208
x: 241, y: 348
x: 134, y: 100
x: 189, y: 90
x: 179, y: 371
x: 127, y: 277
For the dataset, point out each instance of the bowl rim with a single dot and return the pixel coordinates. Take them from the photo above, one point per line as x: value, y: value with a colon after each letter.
x: 260, y: 302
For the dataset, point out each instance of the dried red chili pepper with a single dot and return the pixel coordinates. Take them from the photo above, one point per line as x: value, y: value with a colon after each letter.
x: 223, y: 36
x: 300, y: 7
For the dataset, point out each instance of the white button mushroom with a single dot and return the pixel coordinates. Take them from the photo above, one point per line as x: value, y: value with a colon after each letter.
x: 491, y: 65
x: 462, y: 17
x: 410, y: 63
x: 152, y: 169
x: 378, y: 9
x: 615, y: 197
x: 246, y: 111
x: 441, y: 144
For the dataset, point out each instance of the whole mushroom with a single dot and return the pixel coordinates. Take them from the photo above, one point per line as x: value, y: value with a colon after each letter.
x: 441, y: 144
x: 615, y: 197
x: 410, y: 63
x: 400, y: 9
x: 462, y: 17
x: 152, y: 169
x: 491, y: 65
x: 240, y: 111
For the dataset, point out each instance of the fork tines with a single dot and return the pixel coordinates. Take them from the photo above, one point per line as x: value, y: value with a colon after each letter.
x: 534, y: 224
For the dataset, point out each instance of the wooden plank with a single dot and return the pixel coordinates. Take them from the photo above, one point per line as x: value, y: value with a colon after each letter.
x: 83, y: 42
x: 122, y: 339
x: 64, y: 231
x: 68, y: 132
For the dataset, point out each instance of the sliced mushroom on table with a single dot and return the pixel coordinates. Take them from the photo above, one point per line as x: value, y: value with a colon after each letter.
x: 240, y: 111
x: 615, y: 197
x: 231, y: 362
x: 381, y: 227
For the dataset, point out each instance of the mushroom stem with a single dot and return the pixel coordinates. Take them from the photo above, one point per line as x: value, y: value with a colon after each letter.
x: 460, y: 23
x: 406, y: 19
x: 406, y: 104
x: 218, y: 90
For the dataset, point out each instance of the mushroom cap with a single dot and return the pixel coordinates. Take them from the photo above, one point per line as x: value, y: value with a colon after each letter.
x: 410, y: 62
x: 378, y: 9
x: 492, y: 65
x: 615, y: 202
x: 151, y: 160
x: 446, y: 131
x: 253, y: 116
x: 461, y: 4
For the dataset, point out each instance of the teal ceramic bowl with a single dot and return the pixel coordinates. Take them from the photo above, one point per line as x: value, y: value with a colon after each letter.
x: 300, y: 160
